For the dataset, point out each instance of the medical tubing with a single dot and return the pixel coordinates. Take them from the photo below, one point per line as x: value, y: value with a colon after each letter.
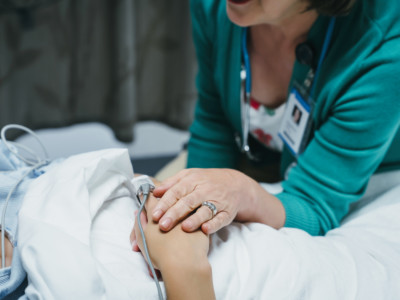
x: 145, y: 189
x: 36, y: 158
x: 23, y: 128
x: 34, y: 165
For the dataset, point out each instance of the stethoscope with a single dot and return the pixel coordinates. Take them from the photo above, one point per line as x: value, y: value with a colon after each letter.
x: 304, y: 54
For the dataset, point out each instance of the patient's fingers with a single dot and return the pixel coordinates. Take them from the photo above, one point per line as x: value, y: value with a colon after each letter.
x: 158, y: 273
x: 134, y: 244
x: 143, y: 219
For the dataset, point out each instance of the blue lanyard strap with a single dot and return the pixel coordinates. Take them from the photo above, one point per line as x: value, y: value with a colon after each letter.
x: 246, y: 60
x: 325, y: 47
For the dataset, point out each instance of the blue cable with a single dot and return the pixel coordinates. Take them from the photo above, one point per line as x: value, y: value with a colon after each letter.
x: 246, y: 60
x: 145, y: 189
x: 34, y: 164
x: 325, y: 48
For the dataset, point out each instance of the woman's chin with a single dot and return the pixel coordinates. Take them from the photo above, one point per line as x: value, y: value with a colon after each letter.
x: 242, y: 12
x: 238, y: 2
x: 239, y: 18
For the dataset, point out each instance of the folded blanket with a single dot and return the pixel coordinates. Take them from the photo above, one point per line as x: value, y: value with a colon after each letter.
x: 74, y: 243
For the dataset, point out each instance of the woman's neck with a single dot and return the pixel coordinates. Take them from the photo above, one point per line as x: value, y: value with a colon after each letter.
x: 286, y: 33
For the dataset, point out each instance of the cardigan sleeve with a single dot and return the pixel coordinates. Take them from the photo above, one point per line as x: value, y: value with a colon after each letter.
x: 211, y: 143
x: 348, y: 145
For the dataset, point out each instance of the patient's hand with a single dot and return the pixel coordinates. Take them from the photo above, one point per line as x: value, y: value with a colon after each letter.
x: 180, y: 256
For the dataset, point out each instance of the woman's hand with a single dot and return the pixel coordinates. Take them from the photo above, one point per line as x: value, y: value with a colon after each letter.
x: 234, y: 194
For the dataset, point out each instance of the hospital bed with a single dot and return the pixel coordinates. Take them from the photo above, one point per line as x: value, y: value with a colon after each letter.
x: 76, y: 219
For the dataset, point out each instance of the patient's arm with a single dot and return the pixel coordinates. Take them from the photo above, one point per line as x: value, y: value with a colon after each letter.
x: 181, y: 257
x: 9, y: 251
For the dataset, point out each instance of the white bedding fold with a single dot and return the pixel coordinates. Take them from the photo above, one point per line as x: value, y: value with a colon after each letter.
x: 74, y: 240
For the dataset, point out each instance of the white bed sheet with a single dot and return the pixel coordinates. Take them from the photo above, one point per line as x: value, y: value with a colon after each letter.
x: 74, y: 243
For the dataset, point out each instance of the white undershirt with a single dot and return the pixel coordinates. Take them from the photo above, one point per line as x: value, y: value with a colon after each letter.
x: 265, y: 124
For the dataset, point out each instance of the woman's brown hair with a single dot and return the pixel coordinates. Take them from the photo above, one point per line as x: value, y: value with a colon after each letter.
x: 332, y: 7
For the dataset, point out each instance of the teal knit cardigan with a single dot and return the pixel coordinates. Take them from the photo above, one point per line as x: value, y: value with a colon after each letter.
x: 356, y: 115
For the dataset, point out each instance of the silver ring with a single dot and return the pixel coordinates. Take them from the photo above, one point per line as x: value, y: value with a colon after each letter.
x: 211, y: 206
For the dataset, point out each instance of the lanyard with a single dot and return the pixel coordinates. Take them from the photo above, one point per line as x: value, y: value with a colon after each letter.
x: 245, y: 91
x: 325, y: 47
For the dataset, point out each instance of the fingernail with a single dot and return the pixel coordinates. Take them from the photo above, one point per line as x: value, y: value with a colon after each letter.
x: 156, y: 190
x: 134, y: 244
x: 166, y: 223
x: 157, y: 214
x: 188, y: 224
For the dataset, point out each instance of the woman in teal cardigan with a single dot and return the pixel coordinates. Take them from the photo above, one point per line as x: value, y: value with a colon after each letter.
x: 345, y: 79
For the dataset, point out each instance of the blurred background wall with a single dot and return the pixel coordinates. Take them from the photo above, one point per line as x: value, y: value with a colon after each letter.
x: 115, y: 62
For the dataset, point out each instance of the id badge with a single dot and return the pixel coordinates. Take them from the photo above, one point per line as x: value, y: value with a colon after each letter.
x: 296, y: 123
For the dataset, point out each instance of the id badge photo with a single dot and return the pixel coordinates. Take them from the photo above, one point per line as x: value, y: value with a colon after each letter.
x: 296, y: 122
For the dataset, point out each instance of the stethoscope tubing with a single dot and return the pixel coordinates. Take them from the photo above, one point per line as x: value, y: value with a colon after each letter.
x: 246, y: 76
x: 325, y: 48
